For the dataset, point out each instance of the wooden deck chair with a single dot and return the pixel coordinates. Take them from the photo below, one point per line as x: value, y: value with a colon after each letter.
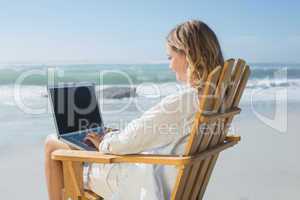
x: 218, y: 105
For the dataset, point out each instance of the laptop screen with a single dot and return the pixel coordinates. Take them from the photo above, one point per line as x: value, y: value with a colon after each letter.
x: 75, y: 108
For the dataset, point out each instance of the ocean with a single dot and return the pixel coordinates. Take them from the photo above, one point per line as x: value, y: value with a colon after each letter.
x: 23, y: 93
x: 262, y: 166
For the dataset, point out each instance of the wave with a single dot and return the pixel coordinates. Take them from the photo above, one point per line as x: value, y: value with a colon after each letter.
x: 35, y: 96
x: 133, y: 74
x: 272, y: 83
x: 101, y: 75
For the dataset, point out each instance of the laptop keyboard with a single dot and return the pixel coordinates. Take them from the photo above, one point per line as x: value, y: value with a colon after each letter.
x: 78, y: 139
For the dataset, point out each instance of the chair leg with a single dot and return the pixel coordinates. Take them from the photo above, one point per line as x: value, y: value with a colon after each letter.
x: 73, y: 180
x: 73, y: 183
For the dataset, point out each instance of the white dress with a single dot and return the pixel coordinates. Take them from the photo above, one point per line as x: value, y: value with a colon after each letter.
x: 163, y: 129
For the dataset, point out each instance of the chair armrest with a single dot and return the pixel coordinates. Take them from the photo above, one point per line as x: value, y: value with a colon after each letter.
x: 230, y: 138
x: 230, y: 141
x: 97, y: 157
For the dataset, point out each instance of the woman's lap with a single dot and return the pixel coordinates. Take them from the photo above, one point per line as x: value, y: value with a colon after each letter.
x: 100, y: 178
x: 103, y: 179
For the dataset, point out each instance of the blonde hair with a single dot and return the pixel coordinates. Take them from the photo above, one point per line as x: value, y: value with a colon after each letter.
x: 201, y: 47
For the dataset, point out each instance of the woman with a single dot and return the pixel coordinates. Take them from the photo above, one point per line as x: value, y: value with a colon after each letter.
x: 194, y: 51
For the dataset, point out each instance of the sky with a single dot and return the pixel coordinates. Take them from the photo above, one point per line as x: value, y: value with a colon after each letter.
x: 96, y: 31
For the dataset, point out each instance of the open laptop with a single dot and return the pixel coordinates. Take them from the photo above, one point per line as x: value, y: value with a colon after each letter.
x: 76, y: 112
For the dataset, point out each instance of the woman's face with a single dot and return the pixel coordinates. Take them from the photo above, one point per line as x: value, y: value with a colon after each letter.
x: 178, y: 64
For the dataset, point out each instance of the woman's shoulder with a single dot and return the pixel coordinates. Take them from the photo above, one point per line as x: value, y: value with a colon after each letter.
x: 184, y: 95
x: 184, y: 100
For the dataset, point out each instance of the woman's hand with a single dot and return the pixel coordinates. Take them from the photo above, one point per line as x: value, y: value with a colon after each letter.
x: 94, y: 139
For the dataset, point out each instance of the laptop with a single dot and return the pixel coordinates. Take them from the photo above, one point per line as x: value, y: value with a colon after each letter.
x: 76, y: 112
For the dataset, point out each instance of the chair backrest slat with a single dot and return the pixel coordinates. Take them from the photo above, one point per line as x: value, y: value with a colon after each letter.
x: 200, y: 168
x: 205, y: 104
x: 222, y: 91
x: 232, y: 92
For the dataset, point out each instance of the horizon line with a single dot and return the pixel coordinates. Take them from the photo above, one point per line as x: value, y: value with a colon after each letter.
x: 127, y: 63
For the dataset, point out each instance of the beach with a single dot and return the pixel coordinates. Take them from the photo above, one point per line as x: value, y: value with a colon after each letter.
x: 264, y: 165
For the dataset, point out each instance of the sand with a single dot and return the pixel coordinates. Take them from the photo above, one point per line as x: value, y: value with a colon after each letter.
x: 265, y: 165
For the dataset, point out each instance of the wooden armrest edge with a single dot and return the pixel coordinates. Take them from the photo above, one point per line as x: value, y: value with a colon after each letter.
x: 96, y: 157
x: 233, y: 138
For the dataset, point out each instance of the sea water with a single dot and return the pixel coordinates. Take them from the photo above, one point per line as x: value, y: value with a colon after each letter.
x: 265, y: 161
x: 25, y: 110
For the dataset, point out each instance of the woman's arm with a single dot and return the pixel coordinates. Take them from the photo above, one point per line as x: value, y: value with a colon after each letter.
x: 155, y: 128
